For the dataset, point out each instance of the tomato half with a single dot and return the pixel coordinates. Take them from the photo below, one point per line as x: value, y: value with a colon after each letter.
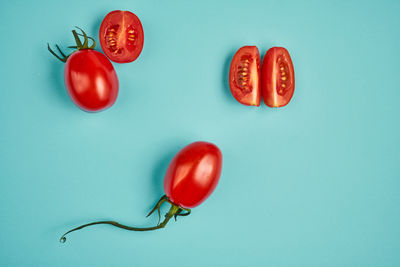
x: 244, y: 76
x: 193, y: 174
x: 91, y: 80
x: 277, y: 78
x: 121, y: 36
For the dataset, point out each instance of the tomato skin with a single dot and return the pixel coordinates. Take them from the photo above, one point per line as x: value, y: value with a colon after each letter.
x: 244, y: 76
x: 277, y: 77
x: 91, y: 80
x: 193, y: 174
x: 121, y: 36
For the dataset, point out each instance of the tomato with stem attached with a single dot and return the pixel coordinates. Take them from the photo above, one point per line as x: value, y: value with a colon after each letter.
x: 191, y: 177
x: 244, y: 76
x: 121, y: 36
x: 277, y: 78
x: 90, y: 78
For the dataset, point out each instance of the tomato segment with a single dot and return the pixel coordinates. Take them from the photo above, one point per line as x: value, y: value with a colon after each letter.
x: 244, y: 76
x: 121, y: 36
x: 277, y: 77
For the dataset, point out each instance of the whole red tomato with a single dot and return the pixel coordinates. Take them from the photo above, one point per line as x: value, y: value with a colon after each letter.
x: 193, y: 174
x: 191, y: 177
x: 90, y: 78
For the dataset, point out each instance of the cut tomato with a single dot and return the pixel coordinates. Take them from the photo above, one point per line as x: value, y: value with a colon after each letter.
x: 277, y: 78
x: 121, y: 36
x: 244, y: 76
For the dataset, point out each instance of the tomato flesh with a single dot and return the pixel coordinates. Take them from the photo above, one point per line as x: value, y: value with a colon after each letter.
x: 121, y: 36
x: 277, y: 78
x: 244, y: 76
x: 193, y: 174
x: 91, y: 80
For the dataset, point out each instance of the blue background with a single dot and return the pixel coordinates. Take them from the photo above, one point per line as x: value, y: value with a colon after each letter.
x: 313, y: 184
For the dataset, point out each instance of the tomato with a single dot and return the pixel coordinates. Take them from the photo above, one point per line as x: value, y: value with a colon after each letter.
x: 244, y: 76
x: 191, y: 177
x: 277, y: 78
x: 121, y: 36
x: 91, y: 80
x: 193, y: 174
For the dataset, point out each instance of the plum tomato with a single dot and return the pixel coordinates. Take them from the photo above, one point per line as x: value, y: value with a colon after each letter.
x: 90, y: 78
x: 121, y: 36
x: 191, y: 177
x: 244, y: 76
x: 277, y: 77
x: 193, y: 174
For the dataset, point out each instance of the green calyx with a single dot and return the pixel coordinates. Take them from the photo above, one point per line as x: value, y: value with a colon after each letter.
x: 79, y: 45
x: 174, y: 211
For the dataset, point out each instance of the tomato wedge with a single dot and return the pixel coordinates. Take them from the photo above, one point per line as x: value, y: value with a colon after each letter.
x: 121, y: 36
x: 277, y: 78
x: 244, y: 76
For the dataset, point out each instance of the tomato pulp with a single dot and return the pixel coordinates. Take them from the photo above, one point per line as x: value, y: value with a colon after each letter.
x: 277, y: 78
x: 121, y: 36
x: 193, y: 174
x: 91, y: 80
x: 244, y: 76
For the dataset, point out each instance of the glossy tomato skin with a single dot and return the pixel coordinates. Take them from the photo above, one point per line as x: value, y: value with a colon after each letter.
x: 277, y: 77
x: 193, y: 174
x: 91, y: 80
x: 121, y: 36
x: 244, y: 76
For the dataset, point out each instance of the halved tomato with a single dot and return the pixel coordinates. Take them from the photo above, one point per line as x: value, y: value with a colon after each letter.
x: 121, y: 36
x: 277, y: 78
x: 244, y: 76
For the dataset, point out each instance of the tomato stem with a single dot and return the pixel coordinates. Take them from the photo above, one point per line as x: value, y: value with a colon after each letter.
x: 174, y: 211
x: 79, y: 45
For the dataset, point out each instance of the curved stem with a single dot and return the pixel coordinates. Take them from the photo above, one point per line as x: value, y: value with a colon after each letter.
x: 172, y: 211
x: 158, y: 206
x: 77, y: 40
x: 62, y: 59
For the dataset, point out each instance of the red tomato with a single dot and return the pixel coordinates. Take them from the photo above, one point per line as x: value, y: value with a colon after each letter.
x: 191, y: 177
x: 91, y: 80
x: 277, y: 77
x: 193, y: 174
x: 244, y: 76
x: 121, y: 36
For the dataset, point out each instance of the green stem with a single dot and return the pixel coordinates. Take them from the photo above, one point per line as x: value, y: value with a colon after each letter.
x: 172, y: 211
x: 79, y: 45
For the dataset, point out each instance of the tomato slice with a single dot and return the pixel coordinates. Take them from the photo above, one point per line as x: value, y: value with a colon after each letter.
x: 277, y: 78
x: 244, y: 76
x: 121, y: 36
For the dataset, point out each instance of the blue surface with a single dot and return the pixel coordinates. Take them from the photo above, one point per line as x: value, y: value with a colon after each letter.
x: 313, y: 184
